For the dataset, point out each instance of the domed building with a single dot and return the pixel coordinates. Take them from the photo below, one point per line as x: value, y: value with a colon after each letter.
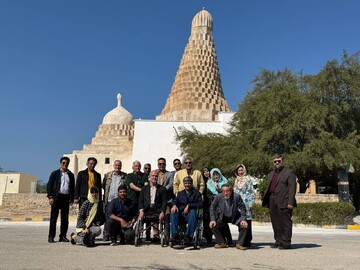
x: 196, y: 100
x: 112, y: 141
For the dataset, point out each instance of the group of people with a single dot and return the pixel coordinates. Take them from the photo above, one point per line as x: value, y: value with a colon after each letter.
x: 172, y: 197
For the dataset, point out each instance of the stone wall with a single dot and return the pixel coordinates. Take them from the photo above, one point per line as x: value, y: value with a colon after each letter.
x: 25, y: 204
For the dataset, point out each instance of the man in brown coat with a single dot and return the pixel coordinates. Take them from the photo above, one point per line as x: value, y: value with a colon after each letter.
x: 280, y: 198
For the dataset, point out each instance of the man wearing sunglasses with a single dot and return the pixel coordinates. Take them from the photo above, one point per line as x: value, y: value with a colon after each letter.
x: 198, y: 181
x: 60, y: 191
x: 280, y: 199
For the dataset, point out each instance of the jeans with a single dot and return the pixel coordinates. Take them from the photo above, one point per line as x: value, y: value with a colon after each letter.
x: 189, y: 218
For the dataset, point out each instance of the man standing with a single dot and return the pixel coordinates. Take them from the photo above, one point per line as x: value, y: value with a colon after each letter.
x: 165, y: 178
x: 122, y: 216
x: 280, y: 198
x: 112, y: 180
x: 228, y: 207
x: 198, y: 181
x: 85, y: 180
x: 135, y: 181
x: 60, y: 191
x: 147, y: 169
x: 152, y: 205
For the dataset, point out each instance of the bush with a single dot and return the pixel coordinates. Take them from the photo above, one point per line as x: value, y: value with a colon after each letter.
x: 319, y: 214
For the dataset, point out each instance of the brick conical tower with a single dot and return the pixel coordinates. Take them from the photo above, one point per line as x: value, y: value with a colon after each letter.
x: 196, y: 94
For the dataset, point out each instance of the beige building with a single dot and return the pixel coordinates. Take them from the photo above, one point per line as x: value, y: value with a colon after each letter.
x: 196, y: 100
x: 17, y: 183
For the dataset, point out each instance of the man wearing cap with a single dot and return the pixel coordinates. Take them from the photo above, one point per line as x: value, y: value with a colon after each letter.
x: 280, y: 199
x: 184, y: 208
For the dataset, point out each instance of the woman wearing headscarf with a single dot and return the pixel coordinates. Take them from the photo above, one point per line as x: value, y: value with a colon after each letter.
x: 213, y: 188
x: 90, y: 218
x: 244, y: 186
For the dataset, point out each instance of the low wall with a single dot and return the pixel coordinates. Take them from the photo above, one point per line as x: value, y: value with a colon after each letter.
x: 24, y: 203
x: 312, y: 198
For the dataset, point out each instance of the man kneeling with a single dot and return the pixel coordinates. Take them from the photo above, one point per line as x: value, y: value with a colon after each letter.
x: 122, y: 216
x: 90, y: 218
x: 184, y: 208
x: 228, y: 207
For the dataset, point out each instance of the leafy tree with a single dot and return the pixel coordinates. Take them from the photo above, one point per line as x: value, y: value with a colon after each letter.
x: 313, y: 119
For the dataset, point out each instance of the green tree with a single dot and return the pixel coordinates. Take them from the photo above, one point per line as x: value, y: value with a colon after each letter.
x: 313, y: 119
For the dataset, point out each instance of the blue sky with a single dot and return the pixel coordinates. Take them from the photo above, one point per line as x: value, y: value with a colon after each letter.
x: 63, y: 62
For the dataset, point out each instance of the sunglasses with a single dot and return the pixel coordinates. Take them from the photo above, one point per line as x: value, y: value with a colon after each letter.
x: 177, y: 163
x: 277, y: 161
x: 188, y: 162
x: 64, y: 162
x: 161, y: 164
x: 93, y: 193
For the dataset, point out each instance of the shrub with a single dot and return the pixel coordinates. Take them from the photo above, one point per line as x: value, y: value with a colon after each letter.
x: 319, y: 214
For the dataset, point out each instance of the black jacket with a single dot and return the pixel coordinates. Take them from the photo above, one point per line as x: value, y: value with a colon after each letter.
x: 82, y: 188
x: 160, y: 198
x: 53, y: 185
x: 194, y: 200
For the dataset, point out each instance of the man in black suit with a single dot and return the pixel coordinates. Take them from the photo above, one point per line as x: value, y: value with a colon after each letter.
x: 280, y: 198
x: 85, y: 180
x: 228, y: 207
x: 60, y: 191
x: 152, y: 204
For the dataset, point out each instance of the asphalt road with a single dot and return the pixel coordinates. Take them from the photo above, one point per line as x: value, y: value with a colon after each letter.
x: 24, y: 246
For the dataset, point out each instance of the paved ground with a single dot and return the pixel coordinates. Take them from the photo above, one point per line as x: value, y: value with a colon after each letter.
x: 24, y: 246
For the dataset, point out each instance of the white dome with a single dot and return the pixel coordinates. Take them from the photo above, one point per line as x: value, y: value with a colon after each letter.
x: 119, y: 115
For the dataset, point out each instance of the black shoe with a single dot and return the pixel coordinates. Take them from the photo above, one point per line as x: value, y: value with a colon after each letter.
x: 148, y: 238
x: 51, y: 240
x: 155, y: 240
x: 186, y: 240
x: 63, y: 239
x: 175, y: 237
x: 285, y: 247
x: 276, y: 245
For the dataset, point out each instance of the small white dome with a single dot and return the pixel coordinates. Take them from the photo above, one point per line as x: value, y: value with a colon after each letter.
x: 119, y: 115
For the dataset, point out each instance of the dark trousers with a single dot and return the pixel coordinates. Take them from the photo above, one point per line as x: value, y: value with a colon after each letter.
x: 81, y: 201
x: 218, y: 231
x: 207, y: 233
x: 62, y: 203
x: 248, y: 236
x: 281, y: 222
x: 113, y: 228
x: 152, y: 221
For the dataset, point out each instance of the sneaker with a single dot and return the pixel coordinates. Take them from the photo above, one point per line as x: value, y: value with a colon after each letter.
x: 238, y: 246
x: 51, y: 240
x: 221, y: 245
x: 148, y: 238
x: 72, y: 238
x: 113, y: 244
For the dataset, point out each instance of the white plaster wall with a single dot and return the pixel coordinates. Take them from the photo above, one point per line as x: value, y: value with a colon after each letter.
x: 154, y: 139
x: 9, y: 182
